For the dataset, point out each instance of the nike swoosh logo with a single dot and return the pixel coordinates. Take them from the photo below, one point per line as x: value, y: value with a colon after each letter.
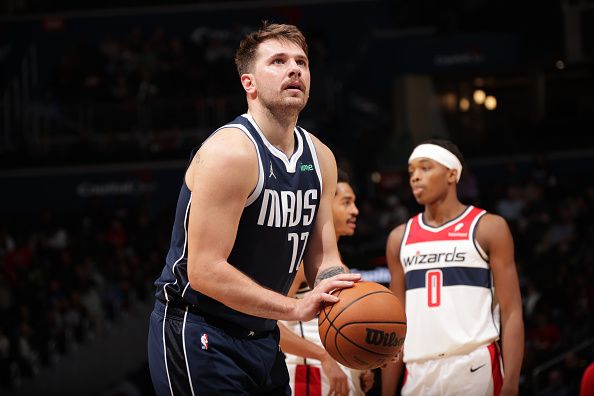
x: 473, y: 369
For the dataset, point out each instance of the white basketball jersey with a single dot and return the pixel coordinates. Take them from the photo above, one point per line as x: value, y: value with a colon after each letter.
x: 450, y: 299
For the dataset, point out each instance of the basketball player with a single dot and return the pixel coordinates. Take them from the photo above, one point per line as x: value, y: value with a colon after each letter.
x: 453, y: 266
x: 311, y: 368
x: 256, y: 199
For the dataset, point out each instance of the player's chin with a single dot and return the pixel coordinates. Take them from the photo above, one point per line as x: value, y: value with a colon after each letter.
x: 420, y: 200
x: 297, y: 104
x: 298, y: 101
x: 348, y: 231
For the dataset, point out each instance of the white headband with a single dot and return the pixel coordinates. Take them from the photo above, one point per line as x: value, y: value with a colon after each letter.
x: 438, y: 154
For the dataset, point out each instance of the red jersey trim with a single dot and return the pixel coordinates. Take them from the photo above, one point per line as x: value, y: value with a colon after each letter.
x: 460, y: 228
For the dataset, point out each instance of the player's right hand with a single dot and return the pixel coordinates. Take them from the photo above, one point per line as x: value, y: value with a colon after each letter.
x: 309, y: 307
x: 338, y: 381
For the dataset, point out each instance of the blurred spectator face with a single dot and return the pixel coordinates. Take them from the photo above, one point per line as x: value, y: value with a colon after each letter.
x: 280, y: 78
x: 429, y: 180
x: 344, y: 210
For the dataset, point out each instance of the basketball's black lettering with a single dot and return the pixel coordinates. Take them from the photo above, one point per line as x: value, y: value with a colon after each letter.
x: 390, y: 339
x: 374, y: 337
x: 378, y: 337
x: 363, y: 335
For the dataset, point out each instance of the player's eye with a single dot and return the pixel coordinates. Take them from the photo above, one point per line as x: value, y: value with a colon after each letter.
x: 278, y: 61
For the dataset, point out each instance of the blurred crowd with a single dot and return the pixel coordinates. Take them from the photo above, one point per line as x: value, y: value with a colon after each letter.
x: 67, y: 278
x: 149, y: 93
x: 145, y: 81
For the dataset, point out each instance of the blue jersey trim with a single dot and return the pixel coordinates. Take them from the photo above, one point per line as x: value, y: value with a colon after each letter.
x: 451, y: 276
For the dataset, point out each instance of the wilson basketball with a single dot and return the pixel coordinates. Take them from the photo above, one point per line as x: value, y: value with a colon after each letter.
x: 365, y: 328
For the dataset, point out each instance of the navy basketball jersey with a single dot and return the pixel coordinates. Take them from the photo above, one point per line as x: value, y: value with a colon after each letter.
x: 273, y: 230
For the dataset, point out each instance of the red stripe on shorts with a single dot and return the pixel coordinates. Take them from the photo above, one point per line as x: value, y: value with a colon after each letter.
x: 496, y: 371
x: 308, y: 381
x: 405, y: 376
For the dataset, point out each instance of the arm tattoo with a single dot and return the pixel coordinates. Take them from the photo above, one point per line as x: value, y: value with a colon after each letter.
x: 197, y: 159
x: 329, y: 273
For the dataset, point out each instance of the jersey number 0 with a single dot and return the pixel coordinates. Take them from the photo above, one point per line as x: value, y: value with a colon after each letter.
x: 433, y: 284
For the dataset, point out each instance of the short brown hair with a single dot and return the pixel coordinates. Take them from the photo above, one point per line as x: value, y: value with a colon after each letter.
x: 245, y: 54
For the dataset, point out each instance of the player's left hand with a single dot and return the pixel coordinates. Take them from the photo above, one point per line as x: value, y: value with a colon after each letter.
x: 367, y: 379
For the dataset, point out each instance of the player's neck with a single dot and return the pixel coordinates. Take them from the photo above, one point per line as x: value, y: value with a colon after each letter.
x: 440, y: 212
x: 278, y: 128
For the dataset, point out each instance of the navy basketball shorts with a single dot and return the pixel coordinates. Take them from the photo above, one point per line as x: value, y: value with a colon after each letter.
x: 190, y: 356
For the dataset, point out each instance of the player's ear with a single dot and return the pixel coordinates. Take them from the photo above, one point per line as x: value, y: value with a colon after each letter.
x: 248, y: 82
x: 452, y: 176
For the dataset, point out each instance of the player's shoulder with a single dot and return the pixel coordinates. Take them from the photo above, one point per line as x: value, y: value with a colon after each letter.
x: 397, y: 234
x: 492, y: 225
x: 393, y: 246
x: 229, y: 145
x: 326, y: 159
x: 227, y: 150
x: 492, y: 221
x: 321, y: 148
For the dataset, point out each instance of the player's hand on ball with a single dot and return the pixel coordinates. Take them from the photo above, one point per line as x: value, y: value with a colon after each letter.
x: 309, y: 307
x: 337, y: 379
x: 366, y: 328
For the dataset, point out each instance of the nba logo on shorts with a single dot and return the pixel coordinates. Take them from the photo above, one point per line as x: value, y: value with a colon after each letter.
x: 204, y: 341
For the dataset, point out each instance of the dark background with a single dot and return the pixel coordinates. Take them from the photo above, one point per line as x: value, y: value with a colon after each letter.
x: 102, y: 103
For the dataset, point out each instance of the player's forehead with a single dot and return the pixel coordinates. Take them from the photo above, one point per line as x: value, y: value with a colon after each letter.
x: 280, y: 47
x: 344, y: 190
x: 422, y: 161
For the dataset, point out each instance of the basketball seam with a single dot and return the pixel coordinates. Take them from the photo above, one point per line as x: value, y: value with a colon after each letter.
x: 331, y: 321
x: 375, y: 321
x: 358, y: 298
x: 352, y: 342
x: 355, y: 344
x: 330, y: 310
